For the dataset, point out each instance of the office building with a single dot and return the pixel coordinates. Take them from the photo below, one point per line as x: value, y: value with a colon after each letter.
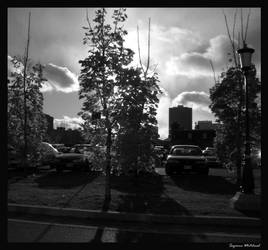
x: 180, y: 118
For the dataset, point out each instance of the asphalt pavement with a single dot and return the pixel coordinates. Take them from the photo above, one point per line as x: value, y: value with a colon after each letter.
x: 53, y: 230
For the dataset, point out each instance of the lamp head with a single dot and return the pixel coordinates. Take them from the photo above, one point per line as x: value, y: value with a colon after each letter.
x: 245, y: 55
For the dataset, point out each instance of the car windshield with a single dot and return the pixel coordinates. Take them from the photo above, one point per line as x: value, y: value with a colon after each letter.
x: 186, y: 151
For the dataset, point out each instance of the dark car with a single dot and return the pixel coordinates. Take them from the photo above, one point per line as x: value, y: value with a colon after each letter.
x: 74, y: 161
x: 186, y: 158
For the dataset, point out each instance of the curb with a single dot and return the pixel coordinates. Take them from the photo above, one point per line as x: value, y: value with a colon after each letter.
x: 135, y: 217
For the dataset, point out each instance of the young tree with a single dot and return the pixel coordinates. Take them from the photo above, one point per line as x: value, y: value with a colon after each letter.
x: 35, y: 127
x: 100, y: 71
x: 137, y: 120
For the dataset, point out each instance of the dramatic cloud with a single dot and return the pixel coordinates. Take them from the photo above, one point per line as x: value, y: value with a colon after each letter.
x: 61, y: 78
x: 174, y: 85
x: 195, y: 64
x: 173, y: 41
x: 58, y: 78
x: 68, y: 122
x: 194, y: 99
x: 46, y: 87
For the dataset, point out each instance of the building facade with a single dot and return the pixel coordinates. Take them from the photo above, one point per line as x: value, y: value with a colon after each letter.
x: 180, y: 118
x: 203, y: 125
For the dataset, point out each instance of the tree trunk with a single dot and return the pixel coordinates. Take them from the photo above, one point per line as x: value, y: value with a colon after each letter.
x: 239, y: 139
x: 25, y: 149
x: 108, y: 168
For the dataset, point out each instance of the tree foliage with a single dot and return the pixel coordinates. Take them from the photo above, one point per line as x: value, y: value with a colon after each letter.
x: 36, y: 123
x: 226, y: 97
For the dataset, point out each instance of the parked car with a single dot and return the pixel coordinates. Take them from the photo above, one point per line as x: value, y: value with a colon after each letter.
x: 81, y: 148
x: 185, y: 158
x: 211, y: 156
x: 51, y: 156
x: 61, y: 148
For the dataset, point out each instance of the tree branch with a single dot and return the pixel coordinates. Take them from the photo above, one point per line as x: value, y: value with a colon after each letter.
x: 139, y: 51
x: 212, y: 67
x: 242, y: 31
x: 247, y: 25
x: 148, y: 58
x: 230, y: 38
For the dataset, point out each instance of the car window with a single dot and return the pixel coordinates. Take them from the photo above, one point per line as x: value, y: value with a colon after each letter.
x: 186, y: 151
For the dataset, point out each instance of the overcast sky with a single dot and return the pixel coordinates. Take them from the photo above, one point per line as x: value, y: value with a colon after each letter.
x: 183, y: 40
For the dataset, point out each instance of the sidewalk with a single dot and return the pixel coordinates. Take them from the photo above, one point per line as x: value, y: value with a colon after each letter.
x: 135, y: 217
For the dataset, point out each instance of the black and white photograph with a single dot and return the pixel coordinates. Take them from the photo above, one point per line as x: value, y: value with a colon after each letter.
x: 134, y: 125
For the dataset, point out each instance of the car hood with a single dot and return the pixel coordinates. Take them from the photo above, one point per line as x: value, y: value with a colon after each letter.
x: 191, y: 157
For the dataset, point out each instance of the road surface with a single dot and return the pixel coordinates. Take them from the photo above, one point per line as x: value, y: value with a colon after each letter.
x: 52, y: 229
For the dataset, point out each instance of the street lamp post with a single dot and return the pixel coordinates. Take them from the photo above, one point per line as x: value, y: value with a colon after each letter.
x: 247, y: 180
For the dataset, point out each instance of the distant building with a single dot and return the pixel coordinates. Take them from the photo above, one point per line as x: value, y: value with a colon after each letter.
x: 204, y: 125
x: 180, y: 118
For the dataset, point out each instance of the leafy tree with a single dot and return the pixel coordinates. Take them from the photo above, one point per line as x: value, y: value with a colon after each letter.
x: 36, y: 123
x: 226, y: 96
x: 100, y: 69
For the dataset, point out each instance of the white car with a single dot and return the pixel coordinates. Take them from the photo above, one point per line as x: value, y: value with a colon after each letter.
x: 185, y: 158
x: 55, y: 159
